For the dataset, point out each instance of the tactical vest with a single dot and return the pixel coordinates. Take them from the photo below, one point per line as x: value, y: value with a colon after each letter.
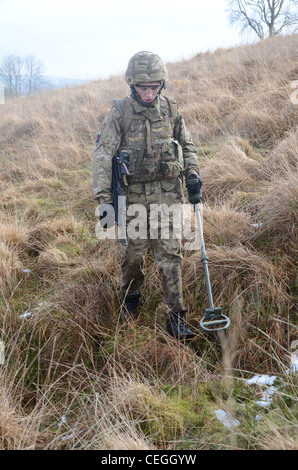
x: 148, y: 138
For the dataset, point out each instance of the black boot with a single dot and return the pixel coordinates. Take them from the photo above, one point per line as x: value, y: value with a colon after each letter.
x: 176, y: 327
x: 129, y: 308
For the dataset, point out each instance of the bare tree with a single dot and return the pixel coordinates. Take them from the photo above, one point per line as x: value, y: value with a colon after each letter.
x: 11, y: 74
x: 21, y: 76
x: 265, y: 18
x: 33, y: 71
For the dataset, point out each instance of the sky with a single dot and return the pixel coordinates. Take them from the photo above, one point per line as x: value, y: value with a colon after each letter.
x: 94, y: 39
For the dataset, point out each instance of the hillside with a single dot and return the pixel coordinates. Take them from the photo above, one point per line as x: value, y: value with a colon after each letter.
x: 74, y: 377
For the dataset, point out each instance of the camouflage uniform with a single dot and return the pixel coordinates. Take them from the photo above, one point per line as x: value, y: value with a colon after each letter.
x: 154, y: 138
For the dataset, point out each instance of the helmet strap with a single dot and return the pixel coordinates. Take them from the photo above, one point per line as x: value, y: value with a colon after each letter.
x: 140, y: 101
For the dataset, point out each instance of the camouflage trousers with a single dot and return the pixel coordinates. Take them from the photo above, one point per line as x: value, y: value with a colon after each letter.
x: 167, y: 250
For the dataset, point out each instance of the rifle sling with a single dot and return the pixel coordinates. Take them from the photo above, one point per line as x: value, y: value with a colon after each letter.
x: 146, y: 142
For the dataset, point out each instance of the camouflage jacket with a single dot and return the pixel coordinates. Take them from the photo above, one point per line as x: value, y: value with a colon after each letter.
x: 156, y: 138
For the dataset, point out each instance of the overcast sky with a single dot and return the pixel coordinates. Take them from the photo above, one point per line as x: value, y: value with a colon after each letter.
x: 95, y: 38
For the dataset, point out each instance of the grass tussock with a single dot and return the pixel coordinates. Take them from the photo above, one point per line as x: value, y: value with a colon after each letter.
x: 278, y: 209
x: 230, y: 170
x: 283, y: 158
x: 75, y: 377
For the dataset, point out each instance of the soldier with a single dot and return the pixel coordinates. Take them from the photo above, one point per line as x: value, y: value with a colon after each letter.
x: 149, y: 127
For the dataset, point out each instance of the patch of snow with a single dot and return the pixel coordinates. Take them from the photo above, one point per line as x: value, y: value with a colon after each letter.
x: 26, y: 314
x: 262, y: 380
x: 294, y: 362
x: 267, y: 397
x: 226, y: 419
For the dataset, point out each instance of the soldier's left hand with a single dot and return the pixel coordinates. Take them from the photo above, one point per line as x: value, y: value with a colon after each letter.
x: 194, y: 188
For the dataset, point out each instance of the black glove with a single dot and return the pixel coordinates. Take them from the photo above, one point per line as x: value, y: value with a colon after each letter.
x: 194, y: 187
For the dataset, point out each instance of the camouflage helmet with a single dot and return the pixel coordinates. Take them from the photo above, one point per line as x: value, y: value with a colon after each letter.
x: 145, y: 66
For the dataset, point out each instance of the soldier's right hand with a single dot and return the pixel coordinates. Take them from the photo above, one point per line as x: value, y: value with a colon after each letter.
x: 106, y: 215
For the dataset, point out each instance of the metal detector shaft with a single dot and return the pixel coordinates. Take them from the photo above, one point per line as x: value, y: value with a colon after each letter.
x: 213, y: 316
x: 204, y: 257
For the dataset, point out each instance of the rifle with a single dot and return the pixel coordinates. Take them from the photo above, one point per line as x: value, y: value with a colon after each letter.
x: 119, y: 177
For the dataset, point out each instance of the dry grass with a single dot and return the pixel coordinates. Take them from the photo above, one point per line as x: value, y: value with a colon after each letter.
x: 74, y: 376
x: 228, y: 171
x: 17, y: 431
x: 227, y: 226
x: 283, y: 158
x: 278, y: 209
x: 242, y: 91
